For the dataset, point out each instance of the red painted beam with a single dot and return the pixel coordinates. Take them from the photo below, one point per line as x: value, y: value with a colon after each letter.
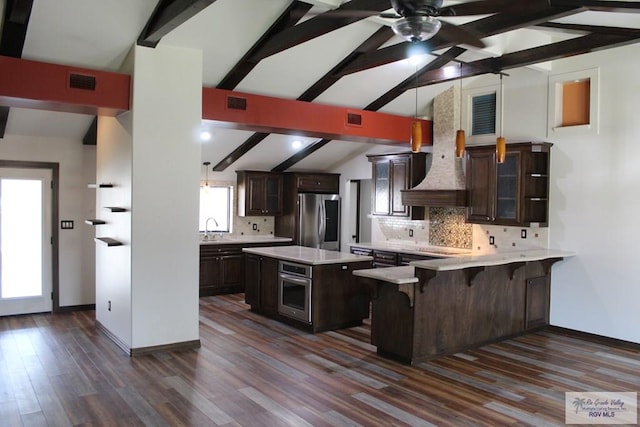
x: 45, y: 86
x: 286, y: 116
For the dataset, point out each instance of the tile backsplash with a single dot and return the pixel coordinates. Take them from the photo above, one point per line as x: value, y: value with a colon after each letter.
x: 447, y: 227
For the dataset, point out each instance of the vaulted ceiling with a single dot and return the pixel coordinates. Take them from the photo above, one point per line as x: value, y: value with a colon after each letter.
x: 320, y: 51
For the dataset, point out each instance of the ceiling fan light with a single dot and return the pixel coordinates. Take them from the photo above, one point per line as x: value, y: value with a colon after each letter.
x: 416, y: 28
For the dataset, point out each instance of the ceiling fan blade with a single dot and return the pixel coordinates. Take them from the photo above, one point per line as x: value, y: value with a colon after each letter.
x: 390, y: 15
x: 459, y: 35
x: 480, y: 7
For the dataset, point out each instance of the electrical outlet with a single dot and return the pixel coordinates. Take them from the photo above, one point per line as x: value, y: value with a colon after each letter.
x: 410, y: 232
x: 492, y: 240
x: 109, y: 306
x: 523, y: 233
x: 254, y: 226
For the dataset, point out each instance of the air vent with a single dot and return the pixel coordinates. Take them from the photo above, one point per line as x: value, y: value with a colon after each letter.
x: 235, y: 103
x: 354, y: 119
x: 80, y: 81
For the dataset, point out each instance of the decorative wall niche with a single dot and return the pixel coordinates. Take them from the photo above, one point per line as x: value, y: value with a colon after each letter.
x: 574, y: 102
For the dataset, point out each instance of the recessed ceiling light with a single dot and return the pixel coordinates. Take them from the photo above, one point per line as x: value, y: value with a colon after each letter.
x: 296, y: 144
x: 205, y: 136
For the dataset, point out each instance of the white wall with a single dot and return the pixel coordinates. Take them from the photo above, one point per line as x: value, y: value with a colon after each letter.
x: 167, y: 114
x: 595, y: 204
x: 77, y: 169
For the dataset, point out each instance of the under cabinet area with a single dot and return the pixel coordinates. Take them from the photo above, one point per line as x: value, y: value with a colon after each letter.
x: 513, y: 193
x: 384, y: 258
x: 259, y: 193
x: 392, y: 173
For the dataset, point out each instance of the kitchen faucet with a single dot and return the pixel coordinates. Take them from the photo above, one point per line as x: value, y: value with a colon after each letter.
x: 206, y: 227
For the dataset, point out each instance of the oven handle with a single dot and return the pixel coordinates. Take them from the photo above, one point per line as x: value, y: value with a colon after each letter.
x: 302, y: 281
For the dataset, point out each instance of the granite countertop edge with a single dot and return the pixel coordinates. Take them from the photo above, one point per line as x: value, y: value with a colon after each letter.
x: 304, y: 255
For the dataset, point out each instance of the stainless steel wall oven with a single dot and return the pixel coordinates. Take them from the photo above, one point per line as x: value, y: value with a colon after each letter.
x: 295, y: 283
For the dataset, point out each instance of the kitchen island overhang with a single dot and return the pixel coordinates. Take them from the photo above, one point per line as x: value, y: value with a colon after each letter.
x: 444, y: 306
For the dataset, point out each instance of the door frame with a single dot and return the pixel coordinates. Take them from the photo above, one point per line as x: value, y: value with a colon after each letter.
x: 55, y: 171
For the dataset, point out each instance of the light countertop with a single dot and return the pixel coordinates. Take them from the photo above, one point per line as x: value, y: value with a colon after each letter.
x: 408, y: 248
x: 226, y: 239
x: 304, y: 255
x: 406, y: 274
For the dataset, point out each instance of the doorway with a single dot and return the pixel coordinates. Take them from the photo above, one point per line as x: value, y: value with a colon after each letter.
x: 27, y: 249
x: 359, y: 220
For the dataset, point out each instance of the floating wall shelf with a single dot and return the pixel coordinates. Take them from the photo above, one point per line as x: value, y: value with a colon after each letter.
x: 100, y: 185
x: 94, y: 221
x: 115, y: 209
x: 108, y: 241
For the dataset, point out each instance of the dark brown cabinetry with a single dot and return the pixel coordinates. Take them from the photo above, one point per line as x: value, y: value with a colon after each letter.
x: 392, y: 173
x: 259, y: 193
x: 261, y: 290
x: 515, y: 192
x: 286, y: 225
x: 338, y: 300
x: 389, y: 258
x: 221, y: 268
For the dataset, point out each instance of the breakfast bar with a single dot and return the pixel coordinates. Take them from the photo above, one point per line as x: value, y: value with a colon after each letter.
x: 443, y: 306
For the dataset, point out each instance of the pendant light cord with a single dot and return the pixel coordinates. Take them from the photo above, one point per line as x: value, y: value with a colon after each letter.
x: 460, y: 112
x: 501, y: 105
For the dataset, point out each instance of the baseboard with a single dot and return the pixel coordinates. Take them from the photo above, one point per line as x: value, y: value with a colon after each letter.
x: 178, y: 346
x: 72, y: 308
x: 113, y: 338
x: 594, y: 337
x: 141, y: 351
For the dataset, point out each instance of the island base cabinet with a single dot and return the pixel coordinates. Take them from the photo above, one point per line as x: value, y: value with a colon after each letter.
x: 452, y: 311
x: 338, y: 299
x: 261, y: 284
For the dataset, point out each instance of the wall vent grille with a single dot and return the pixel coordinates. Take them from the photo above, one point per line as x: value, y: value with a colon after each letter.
x: 354, y: 119
x: 235, y: 103
x: 81, y: 81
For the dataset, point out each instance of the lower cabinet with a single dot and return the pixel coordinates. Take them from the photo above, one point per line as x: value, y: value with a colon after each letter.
x: 221, y: 269
x: 261, y: 283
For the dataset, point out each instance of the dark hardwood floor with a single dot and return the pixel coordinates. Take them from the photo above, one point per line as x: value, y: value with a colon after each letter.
x: 58, y: 370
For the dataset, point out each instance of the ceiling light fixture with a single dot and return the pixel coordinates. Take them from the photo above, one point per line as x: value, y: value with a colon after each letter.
x: 205, y: 136
x: 501, y: 142
x: 416, y: 126
x: 416, y: 28
x: 206, y: 175
x: 460, y: 136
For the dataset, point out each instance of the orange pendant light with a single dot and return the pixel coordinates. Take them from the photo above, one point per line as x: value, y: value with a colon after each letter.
x: 416, y: 136
x: 460, y: 136
x: 501, y: 142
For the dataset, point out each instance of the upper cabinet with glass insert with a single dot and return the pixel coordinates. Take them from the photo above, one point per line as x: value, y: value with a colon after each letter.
x: 259, y: 193
x: 515, y: 192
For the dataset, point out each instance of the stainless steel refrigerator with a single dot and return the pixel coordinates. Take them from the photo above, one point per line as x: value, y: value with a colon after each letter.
x: 319, y: 221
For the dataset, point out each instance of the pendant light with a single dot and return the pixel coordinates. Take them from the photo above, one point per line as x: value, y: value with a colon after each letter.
x: 460, y: 137
x: 501, y: 142
x: 206, y: 175
x: 416, y: 126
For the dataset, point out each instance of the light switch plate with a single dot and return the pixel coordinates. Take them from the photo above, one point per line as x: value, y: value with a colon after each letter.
x: 66, y: 224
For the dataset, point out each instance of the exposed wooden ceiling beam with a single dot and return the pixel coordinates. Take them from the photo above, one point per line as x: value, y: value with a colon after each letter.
x: 531, y: 13
x: 320, y: 25
x: 240, y: 151
x: 402, y: 87
x: 600, y: 6
x: 376, y: 40
x: 91, y: 137
x: 168, y: 15
x: 243, y: 67
x: 559, y: 50
x: 587, y: 29
x: 14, y: 31
x: 301, y: 155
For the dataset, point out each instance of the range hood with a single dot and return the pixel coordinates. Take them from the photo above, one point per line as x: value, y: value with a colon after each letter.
x: 444, y: 184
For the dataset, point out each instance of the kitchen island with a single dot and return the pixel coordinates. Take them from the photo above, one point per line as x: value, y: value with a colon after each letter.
x: 313, y: 289
x: 444, y: 306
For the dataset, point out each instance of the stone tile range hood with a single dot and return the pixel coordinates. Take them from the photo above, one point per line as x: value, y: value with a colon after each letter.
x: 444, y: 184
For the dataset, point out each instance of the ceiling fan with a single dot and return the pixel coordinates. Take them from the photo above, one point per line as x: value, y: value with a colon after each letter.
x: 417, y: 20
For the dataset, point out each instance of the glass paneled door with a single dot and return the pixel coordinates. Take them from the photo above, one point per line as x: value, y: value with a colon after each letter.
x: 25, y: 241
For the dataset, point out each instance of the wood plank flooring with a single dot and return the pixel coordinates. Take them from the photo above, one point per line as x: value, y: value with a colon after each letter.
x: 58, y: 370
